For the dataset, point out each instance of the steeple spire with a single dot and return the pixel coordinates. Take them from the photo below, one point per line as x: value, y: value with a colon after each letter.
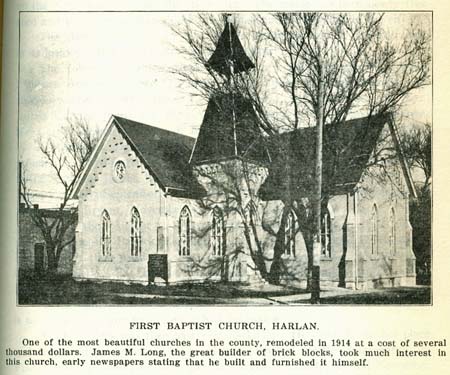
x: 230, y: 127
x: 229, y: 56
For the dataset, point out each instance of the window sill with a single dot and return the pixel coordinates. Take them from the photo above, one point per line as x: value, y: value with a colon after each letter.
x: 135, y: 259
x: 325, y: 259
x: 375, y: 257
x: 105, y: 259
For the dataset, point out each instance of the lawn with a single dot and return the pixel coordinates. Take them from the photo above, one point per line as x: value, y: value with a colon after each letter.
x: 63, y: 290
x: 388, y: 296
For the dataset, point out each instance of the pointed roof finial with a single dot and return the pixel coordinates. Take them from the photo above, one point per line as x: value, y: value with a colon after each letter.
x: 229, y: 56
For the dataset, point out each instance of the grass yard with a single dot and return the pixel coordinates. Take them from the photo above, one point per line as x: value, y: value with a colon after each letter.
x: 388, y: 296
x: 63, y: 290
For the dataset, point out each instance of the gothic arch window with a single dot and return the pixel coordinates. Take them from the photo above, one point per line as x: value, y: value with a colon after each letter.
x: 325, y: 234
x: 184, y: 227
x: 290, y: 229
x: 218, y: 232
x: 392, y: 234
x: 251, y: 213
x: 135, y: 233
x: 374, y: 231
x: 106, y: 234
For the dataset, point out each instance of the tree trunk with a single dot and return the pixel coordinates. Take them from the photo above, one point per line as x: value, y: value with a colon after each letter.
x: 308, y: 236
x: 277, y: 266
x: 52, y: 261
x: 257, y: 258
x: 306, y: 228
x: 317, y: 201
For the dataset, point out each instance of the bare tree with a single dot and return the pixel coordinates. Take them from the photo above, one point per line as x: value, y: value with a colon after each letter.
x: 416, y: 146
x: 67, y: 160
x: 199, y: 35
x: 233, y: 188
x: 363, y: 70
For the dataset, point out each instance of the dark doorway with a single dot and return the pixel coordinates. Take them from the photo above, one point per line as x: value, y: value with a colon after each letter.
x: 39, y: 258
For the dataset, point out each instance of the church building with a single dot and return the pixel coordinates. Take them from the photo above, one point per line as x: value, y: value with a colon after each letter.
x: 155, y: 205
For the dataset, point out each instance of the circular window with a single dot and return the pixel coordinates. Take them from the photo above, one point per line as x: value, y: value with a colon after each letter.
x: 119, y: 170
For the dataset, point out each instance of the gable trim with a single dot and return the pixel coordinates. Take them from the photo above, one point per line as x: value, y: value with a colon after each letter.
x: 138, y: 153
x: 399, y: 153
x: 79, y: 184
x: 401, y: 156
x: 193, y: 149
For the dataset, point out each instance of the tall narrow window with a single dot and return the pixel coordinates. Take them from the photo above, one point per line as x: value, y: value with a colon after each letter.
x: 218, y: 233
x: 392, y: 233
x: 135, y: 234
x: 374, y: 236
x: 106, y: 234
x: 325, y: 234
x: 289, y: 234
x: 185, y: 232
x: 251, y: 213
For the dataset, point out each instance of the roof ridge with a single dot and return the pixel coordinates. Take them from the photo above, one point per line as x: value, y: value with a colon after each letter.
x: 385, y: 115
x: 152, y: 126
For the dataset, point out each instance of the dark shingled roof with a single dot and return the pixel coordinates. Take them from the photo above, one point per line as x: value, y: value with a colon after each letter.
x: 229, y: 49
x: 165, y: 154
x: 346, y: 150
x: 224, y: 134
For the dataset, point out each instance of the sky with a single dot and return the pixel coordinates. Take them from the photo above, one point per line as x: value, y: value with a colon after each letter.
x: 98, y: 64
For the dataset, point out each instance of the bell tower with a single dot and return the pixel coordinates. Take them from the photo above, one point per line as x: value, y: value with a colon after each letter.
x: 230, y: 144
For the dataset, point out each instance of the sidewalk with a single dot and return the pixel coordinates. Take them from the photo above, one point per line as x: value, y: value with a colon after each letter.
x: 293, y: 299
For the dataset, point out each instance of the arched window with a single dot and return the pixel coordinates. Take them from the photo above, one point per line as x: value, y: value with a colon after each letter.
x: 106, y: 234
x: 251, y: 213
x: 392, y: 236
x: 374, y: 234
x: 290, y: 228
x: 218, y: 233
x: 325, y: 234
x: 135, y: 234
x: 184, y: 226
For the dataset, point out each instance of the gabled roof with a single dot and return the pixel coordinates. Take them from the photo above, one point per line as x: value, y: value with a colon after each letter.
x: 347, y: 148
x: 165, y: 154
x: 230, y: 128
